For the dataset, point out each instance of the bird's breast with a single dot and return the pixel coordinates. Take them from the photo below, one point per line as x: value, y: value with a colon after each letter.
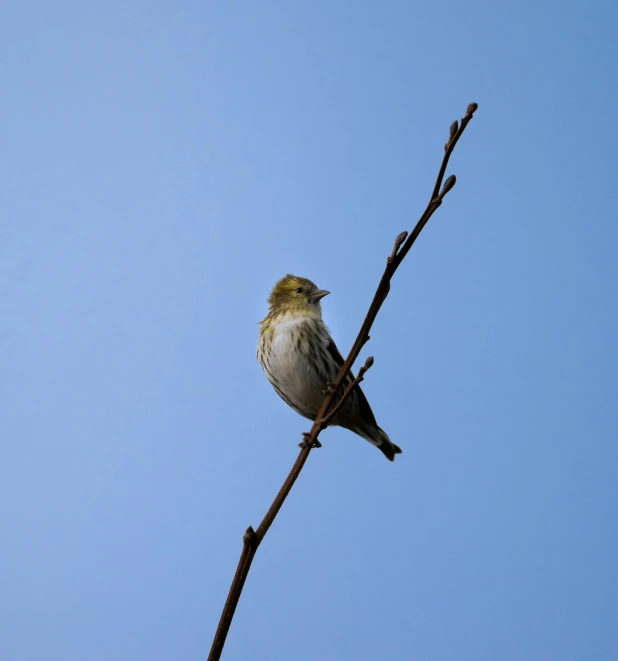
x: 295, y: 342
x: 291, y: 336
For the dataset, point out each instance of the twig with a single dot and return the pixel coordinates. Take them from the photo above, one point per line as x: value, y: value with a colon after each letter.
x: 346, y: 393
x: 252, y: 539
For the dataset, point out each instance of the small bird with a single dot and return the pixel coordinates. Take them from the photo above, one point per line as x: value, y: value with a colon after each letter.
x: 300, y: 359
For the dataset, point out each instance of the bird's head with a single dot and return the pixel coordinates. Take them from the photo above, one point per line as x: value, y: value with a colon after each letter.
x: 295, y: 294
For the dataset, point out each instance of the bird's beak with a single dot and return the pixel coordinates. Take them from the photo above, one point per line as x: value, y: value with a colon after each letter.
x: 319, y: 294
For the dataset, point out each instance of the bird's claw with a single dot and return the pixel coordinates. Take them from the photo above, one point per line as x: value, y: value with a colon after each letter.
x: 303, y: 444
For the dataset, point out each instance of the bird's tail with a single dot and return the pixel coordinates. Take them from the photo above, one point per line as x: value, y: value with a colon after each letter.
x: 380, y: 439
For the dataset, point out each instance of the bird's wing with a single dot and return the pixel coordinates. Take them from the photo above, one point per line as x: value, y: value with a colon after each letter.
x: 336, y: 356
x: 357, y: 395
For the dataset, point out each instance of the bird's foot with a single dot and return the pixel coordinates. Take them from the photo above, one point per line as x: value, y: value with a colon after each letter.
x: 331, y: 389
x: 303, y: 444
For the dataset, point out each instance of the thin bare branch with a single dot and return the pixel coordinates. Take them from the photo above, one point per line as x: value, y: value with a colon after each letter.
x: 403, y: 243
x: 346, y: 393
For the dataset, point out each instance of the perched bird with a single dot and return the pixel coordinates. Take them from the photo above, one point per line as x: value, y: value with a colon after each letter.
x: 300, y: 358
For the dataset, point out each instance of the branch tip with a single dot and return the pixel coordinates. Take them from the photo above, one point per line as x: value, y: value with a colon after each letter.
x: 448, y: 185
x: 471, y: 109
x: 368, y: 363
x: 401, y: 237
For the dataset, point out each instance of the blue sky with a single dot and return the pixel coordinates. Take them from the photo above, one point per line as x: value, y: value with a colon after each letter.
x: 163, y: 164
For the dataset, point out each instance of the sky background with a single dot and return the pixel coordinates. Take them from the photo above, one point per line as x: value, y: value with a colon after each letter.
x: 162, y: 165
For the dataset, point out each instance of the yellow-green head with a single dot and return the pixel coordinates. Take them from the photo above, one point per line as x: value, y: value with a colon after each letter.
x: 295, y: 294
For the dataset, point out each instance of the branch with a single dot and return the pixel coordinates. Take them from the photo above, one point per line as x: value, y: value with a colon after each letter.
x: 252, y: 539
x: 346, y: 393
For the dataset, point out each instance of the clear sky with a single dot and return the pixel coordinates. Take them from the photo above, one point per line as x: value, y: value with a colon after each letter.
x: 162, y: 165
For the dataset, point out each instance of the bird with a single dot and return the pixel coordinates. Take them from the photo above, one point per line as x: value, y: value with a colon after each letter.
x: 301, y: 359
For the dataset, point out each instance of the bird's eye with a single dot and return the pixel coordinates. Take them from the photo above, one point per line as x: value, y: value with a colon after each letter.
x: 299, y: 290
